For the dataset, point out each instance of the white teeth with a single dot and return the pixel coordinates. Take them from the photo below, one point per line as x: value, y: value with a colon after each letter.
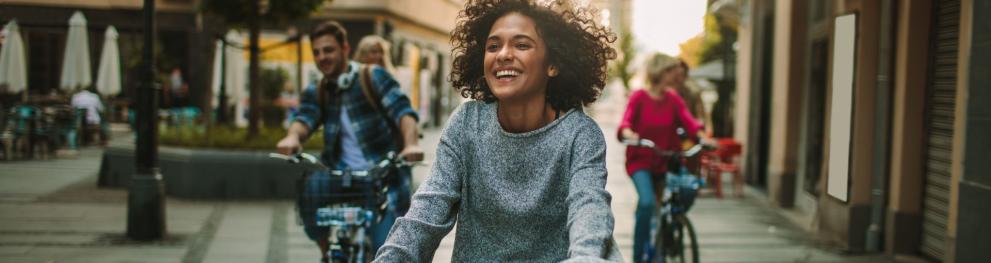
x: 504, y: 73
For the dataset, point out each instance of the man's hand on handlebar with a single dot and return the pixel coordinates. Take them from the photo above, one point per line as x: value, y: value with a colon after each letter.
x: 289, y: 145
x: 293, y: 142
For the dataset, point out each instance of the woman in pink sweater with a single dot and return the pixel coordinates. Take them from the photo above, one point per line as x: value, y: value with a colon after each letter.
x: 653, y: 113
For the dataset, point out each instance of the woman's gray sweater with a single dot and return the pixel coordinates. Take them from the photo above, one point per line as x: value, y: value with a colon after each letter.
x: 537, y: 196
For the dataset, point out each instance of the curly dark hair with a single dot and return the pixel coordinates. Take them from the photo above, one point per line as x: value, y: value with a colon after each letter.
x: 576, y: 45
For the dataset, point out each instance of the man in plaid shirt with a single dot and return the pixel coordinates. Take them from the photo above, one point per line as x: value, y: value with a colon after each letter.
x: 356, y: 135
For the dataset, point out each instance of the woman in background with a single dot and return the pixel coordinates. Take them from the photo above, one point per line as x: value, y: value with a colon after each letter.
x: 688, y: 91
x: 654, y: 113
x: 374, y: 50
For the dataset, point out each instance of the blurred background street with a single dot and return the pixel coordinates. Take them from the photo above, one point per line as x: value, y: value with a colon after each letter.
x: 53, y: 211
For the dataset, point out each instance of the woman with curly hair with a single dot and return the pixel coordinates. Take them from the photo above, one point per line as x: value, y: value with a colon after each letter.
x: 520, y: 169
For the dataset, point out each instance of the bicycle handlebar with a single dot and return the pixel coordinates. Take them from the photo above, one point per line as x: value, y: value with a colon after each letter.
x: 298, y: 158
x: 392, y: 159
x: 691, y: 152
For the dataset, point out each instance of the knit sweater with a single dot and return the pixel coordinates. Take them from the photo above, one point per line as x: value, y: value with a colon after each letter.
x: 537, y: 196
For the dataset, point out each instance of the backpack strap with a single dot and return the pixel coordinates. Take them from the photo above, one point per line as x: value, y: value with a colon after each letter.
x: 375, y: 99
x: 322, y: 98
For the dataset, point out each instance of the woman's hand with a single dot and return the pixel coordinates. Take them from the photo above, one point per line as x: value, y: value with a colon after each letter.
x: 412, y: 153
x: 708, y: 143
x: 629, y: 134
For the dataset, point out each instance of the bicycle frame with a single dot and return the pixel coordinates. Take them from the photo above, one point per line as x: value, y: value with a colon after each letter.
x: 672, y: 209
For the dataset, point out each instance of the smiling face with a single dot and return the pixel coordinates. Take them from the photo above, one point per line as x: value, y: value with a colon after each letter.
x: 329, y: 55
x: 516, y: 65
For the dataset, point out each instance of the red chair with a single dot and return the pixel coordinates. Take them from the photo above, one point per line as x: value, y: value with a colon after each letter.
x: 708, y: 169
x: 723, y: 160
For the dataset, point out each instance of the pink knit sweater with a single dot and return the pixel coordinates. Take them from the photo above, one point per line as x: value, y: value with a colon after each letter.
x: 654, y: 119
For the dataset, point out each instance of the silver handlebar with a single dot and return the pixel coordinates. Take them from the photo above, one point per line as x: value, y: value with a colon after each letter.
x: 653, y: 146
x: 391, y: 159
x: 297, y: 158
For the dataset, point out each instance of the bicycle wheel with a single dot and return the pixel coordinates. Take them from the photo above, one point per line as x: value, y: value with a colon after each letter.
x: 362, y: 252
x: 660, y: 253
x: 686, y: 246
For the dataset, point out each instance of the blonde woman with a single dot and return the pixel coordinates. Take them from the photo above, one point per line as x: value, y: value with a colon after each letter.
x: 654, y: 113
x: 374, y: 49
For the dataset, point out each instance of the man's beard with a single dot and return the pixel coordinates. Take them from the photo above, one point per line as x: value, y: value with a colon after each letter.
x: 338, y: 69
x: 331, y: 79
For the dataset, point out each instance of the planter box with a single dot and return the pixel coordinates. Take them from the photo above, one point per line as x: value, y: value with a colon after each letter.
x: 208, y: 173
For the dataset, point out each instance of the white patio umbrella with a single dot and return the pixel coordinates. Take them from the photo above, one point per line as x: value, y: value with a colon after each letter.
x: 108, y: 75
x: 13, y: 72
x: 234, y: 70
x: 75, y: 64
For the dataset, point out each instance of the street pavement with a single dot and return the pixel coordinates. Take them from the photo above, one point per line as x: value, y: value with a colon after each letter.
x: 52, y: 211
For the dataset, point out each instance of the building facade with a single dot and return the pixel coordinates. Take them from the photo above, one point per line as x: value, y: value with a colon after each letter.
x: 873, y: 117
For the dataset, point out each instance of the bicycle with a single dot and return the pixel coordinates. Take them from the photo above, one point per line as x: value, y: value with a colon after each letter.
x: 677, y: 197
x: 356, y: 201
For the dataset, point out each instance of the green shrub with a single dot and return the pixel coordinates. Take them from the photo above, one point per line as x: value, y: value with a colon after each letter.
x: 226, y: 137
x: 272, y: 81
x: 272, y: 115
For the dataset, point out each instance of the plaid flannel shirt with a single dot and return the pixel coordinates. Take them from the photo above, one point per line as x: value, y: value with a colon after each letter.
x: 373, y: 133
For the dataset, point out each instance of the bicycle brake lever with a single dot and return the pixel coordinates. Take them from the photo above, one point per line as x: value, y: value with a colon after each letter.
x: 308, y: 157
x: 281, y: 156
x: 646, y: 143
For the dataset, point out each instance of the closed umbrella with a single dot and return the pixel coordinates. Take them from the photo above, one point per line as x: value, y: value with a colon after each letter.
x: 108, y: 75
x: 234, y: 70
x: 75, y: 64
x: 13, y: 74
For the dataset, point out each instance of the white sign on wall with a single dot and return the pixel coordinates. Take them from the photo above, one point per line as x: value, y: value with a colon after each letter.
x: 841, y: 106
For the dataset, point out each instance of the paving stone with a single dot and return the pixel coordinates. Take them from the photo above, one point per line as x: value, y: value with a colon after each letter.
x: 14, y: 251
x: 49, y: 238
x: 106, y: 254
x: 243, y: 234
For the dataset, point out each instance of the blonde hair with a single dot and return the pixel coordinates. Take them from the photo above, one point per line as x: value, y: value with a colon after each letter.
x: 657, y: 65
x: 365, y: 46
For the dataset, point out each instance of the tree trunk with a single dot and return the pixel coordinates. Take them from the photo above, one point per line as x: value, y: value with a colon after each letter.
x: 253, y: 115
